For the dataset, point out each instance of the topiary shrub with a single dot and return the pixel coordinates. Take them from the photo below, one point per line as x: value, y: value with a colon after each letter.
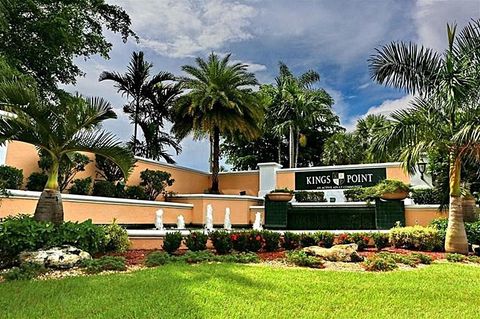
x: 105, y: 263
x: 380, y: 263
x: 36, y: 181
x: 300, y: 258
x: 81, y: 186
x: 416, y: 237
x: 116, y: 238
x: 196, y: 241
x: 290, y: 240
x: 221, y: 241
x: 172, y: 242
x: 307, y: 240
x: 324, y: 239
x: 271, y: 240
x: 247, y: 241
x: 11, y: 177
x: 26, y: 271
x: 158, y: 258
x: 155, y: 182
x: 381, y: 240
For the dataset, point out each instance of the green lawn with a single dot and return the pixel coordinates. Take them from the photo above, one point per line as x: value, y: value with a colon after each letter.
x: 244, y: 291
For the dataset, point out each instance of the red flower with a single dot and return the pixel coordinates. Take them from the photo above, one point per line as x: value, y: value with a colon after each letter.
x: 234, y: 237
x: 258, y: 238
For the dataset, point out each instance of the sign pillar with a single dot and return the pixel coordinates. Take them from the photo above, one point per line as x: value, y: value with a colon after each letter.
x: 267, y: 177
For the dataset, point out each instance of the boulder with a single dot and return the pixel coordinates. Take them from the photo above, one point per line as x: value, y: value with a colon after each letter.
x: 63, y: 257
x: 347, y: 253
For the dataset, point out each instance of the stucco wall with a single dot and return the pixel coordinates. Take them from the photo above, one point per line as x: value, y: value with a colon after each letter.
x: 422, y: 214
x: 233, y: 183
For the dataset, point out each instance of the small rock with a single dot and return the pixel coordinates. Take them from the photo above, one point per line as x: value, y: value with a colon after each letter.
x: 63, y: 257
x: 346, y: 253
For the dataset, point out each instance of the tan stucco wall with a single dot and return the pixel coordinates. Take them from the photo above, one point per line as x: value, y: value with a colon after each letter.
x: 398, y: 173
x: 422, y: 215
x: 286, y: 179
x: 233, y: 183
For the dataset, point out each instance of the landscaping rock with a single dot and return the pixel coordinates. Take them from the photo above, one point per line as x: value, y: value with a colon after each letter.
x: 346, y: 253
x: 63, y: 257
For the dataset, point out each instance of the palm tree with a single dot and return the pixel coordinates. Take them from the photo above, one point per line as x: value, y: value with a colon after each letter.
x: 298, y: 106
x: 342, y: 149
x: 220, y: 101
x: 151, y: 99
x: 366, y: 129
x: 60, y: 129
x: 444, y: 116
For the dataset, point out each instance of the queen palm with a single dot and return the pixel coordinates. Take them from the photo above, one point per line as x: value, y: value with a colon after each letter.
x: 61, y: 129
x: 220, y: 101
x: 445, y: 114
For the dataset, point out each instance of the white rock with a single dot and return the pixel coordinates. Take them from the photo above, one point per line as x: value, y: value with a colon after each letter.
x: 63, y: 257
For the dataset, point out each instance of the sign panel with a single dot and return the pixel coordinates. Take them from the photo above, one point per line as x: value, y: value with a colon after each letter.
x: 339, y: 178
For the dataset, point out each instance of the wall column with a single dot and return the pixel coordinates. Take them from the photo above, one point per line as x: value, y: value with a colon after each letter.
x: 267, y: 177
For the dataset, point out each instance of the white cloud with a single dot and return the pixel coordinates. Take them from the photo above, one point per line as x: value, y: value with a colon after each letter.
x: 388, y: 106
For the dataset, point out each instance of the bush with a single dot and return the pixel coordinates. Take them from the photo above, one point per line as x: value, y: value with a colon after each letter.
x: 456, y: 258
x: 116, y: 238
x: 86, y: 236
x: 36, y: 181
x: 135, y: 192
x: 271, y: 240
x: 416, y: 237
x: 300, y: 258
x: 361, y: 239
x: 95, y: 266
x: 196, y: 241
x: 240, y: 258
x: 104, y: 189
x: 400, y: 259
x: 426, y: 196
x: 196, y: 257
x: 422, y: 258
x: 158, y: 258
x: 380, y: 263
x: 354, y: 194
x: 26, y: 271
x: 343, y: 239
x: 310, y: 197
x: 11, y: 177
x: 381, y: 240
x: 81, y: 186
x: 324, y: 239
x: 172, y: 242
x: 221, y: 241
x: 155, y: 182
x: 247, y: 241
x: 290, y: 240
x: 472, y: 229
x: 307, y: 240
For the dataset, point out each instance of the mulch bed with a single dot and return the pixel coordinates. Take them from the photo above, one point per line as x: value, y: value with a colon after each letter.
x: 371, y: 251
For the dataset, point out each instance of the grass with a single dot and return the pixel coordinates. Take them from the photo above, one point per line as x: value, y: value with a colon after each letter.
x: 246, y: 291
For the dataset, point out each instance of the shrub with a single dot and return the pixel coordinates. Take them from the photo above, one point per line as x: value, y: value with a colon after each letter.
x: 282, y: 190
x: 381, y: 240
x: 271, y: 240
x: 26, y: 271
x: 300, y: 258
x: 247, y: 241
x: 11, y: 177
x: 472, y: 229
x: 354, y: 194
x: 172, y: 242
x: 307, y: 240
x: 380, y: 263
x: 361, y: 239
x: 81, y: 186
x: 86, y: 236
x: 221, y: 241
x: 241, y: 258
x: 36, y: 181
x: 422, y: 258
x: 425, y: 196
x: 95, y: 266
x: 474, y: 259
x: 195, y: 257
x: 135, y: 192
x: 158, y: 258
x: 401, y: 259
x: 456, y: 258
x: 290, y: 240
x: 344, y: 238
x: 104, y: 188
x: 116, y: 238
x: 416, y: 237
x: 196, y: 241
x: 324, y: 239
x: 155, y: 182
x: 310, y: 197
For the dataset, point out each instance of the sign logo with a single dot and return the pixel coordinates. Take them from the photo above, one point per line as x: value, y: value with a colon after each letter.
x: 338, y: 178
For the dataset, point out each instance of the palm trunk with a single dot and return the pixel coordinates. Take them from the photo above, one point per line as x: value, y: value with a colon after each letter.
x: 279, y: 150
x: 297, y: 147
x: 291, y: 148
x: 49, y: 206
x: 135, y: 124
x: 456, y: 237
x: 215, y: 160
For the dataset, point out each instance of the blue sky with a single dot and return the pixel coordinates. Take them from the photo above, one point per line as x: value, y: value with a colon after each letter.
x: 334, y: 38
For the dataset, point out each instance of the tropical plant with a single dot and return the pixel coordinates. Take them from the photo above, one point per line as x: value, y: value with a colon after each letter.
x: 60, y: 129
x: 150, y: 102
x: 155, y: 182
x: 342, y: 149
x: 444, y: 115
x: 220, y: 102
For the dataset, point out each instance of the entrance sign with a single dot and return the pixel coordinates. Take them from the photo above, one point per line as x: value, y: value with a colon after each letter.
x: 339, y: 178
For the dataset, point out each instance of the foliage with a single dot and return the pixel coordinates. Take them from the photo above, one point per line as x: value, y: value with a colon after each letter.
x: 307, y: 240
x: 196, y: 241
x: 271, y: 240
x: 400, y: 258
x: 425, y: 196
x: 44, y: 38
x: 456, y: 258
x: 300, y: 258
x: 135, y: 192
x: 416, y: 237
x: 107, y: 169
x: 195, y: 257
x: 354, y: 194
x: 290, y: 240
x: 104, y: 189
x: 324, y: 239
x: 36, y: 181
x: 81, y: 186
x: 381, y: 240
x: 104, y: 263
x: 361, y: 239
x: 85, y: 235
x: 357, y: 194
x: 342, y: 149
x: 158, y: 258
x: 239, y: 258
x: 310, y: 197
x: 343, y: 239
x: 472, y: 230
x: 11, y: 177
x: 25, y: 271
x: 247, y: 241
x: 172, y: 242
x: 155, y: 182
x: 282, y: 190
x: 422, y: 258
x: 221, y: 241
x: 116, y: 238
x: 380, y: 263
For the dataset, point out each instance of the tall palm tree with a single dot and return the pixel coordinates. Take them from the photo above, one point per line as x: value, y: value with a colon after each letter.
x: 151, y: 98
x: 61, y: 129
x: 220, y: 101
x: 366, y: 129
x: 444, y: 116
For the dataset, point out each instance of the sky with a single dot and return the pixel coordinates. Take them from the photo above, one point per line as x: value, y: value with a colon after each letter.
x: 334, y: 38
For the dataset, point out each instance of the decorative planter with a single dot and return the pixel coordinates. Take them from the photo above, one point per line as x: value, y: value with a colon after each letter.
x: 398, y: 195
x: 280, y: 197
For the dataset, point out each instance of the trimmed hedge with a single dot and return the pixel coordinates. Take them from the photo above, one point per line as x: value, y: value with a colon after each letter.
x: 416, y: 237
